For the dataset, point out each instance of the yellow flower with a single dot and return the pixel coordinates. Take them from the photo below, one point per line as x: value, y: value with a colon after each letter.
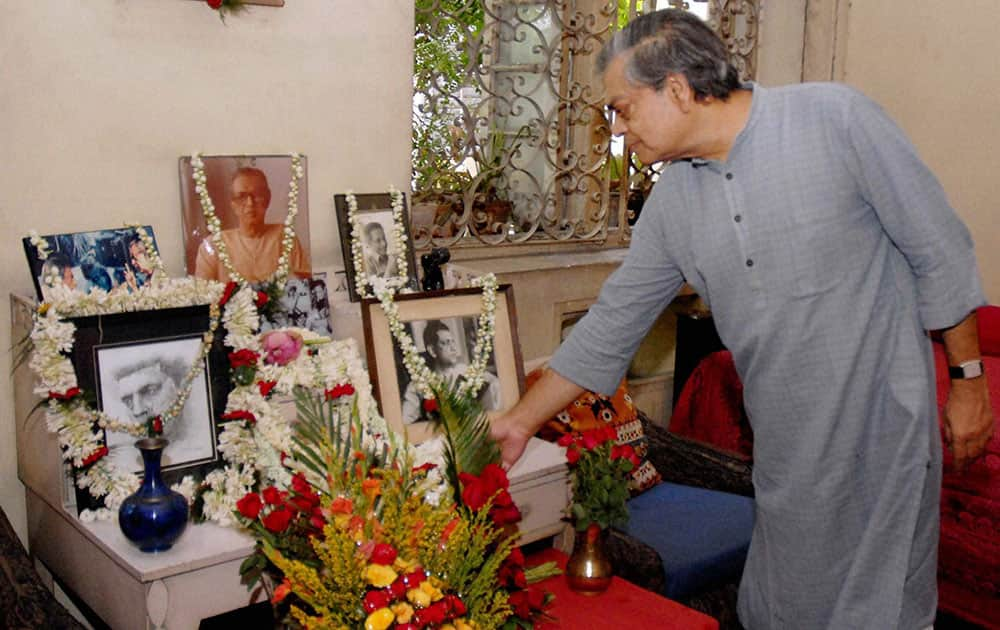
x: 461, y: 624
x: 380, y: 619
x: 404, y: 612
x: 433, y: 591
x: 418, y: 597
x: 379, y: 575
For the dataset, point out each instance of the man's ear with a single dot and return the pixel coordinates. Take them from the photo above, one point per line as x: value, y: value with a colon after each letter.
x: 679, y: 91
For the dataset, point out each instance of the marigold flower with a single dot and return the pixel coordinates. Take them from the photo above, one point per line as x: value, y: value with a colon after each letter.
x: 371, y: 488
x: 342, y: 505
x: 403, y: 611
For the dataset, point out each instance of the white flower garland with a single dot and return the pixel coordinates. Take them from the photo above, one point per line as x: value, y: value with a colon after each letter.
x: 215, y: 225
x: 363, y: 280
x: 253, y: 450
x: 41, y: 245
x: 67, y: 415
x: 472, y: 379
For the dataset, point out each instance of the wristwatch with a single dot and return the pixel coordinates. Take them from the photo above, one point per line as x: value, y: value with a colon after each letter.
x: 966, y: 369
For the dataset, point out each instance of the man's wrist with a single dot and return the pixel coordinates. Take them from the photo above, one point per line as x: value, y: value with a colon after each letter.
x: 966, y: 370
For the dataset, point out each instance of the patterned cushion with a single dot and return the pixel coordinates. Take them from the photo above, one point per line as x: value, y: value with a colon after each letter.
x: 591, y: 411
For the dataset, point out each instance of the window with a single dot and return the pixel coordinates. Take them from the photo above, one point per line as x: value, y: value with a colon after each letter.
x: 510, y: 142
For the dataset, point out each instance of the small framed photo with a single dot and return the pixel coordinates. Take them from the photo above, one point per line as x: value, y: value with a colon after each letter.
x: 303, y: 304
x: 84, y: 261
x: 443, y: 325
x: 250, y: 197
x: 136, y: 363
x: 380, y: 253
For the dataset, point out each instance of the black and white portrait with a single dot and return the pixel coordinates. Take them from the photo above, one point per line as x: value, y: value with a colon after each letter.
x: 304, y: 303
x: 447, y: 346
x: 378, y: 249
x: 139, y: 381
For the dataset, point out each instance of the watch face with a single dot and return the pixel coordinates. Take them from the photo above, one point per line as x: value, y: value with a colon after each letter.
x: 969, y: 369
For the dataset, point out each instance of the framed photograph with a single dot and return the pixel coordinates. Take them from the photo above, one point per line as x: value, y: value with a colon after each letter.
x: 250, y: 195
x: 136, y: 363
x: 84, y: 261
x: 443, y: 325
x: 303, y: 304
x: 380, y: 251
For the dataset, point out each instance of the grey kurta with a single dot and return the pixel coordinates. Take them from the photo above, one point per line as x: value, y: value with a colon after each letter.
x: 824, y: 248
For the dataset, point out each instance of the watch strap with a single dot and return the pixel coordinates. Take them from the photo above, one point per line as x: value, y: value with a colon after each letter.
x: 966, y: 369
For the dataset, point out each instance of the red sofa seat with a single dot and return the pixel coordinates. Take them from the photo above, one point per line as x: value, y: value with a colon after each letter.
x: 969, y: 552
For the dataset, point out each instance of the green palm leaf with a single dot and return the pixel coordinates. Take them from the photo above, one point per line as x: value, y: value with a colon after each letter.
x: 469, y: 447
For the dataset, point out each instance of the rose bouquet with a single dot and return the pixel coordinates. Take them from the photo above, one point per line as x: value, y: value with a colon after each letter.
x: 599, y: 469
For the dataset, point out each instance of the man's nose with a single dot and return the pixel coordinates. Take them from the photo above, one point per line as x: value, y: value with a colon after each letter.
x: 618, y: 126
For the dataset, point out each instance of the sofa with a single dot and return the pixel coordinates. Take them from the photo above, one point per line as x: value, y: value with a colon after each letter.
x: 709, y: 409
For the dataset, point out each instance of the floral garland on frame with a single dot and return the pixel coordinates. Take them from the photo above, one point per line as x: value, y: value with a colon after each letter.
x: 361, y: 280
x: 215, y: 225
x: 76, y: 424
x: 425, y: 380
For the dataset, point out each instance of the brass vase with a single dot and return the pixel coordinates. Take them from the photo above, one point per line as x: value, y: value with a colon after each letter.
x: 588, y: 570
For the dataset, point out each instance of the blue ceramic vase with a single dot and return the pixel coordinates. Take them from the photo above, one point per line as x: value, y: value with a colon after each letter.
x: 155, y: 516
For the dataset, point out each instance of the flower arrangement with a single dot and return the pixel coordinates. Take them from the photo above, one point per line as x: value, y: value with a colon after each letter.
x: 352, y: 542
x: 599, y: 469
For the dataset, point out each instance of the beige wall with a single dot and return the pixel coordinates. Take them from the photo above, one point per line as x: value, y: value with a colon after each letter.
x: 100, y: 98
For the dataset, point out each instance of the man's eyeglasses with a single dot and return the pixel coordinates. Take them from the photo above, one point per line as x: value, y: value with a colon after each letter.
x: 242, y: 198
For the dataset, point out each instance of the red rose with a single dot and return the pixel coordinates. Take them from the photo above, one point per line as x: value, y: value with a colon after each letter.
x: 277, y: 521
x: 239, y: 414
x: 67, y: 395
x: 507, y: 513
x: 156, y: 425
x: 398, y: 589
x: 300, y: 485
x: 591, y: 439
x: 475, y: 493
x: 518, y: 600
x: 243, y: 357
x: 376, y: 599
x: 272, y: 496
x: 262, y: 298
x: 566, y: 439
x: 265, y: 387
x: 433, y: 614
x: 572, y: 456
x: 230, y: 286
x: 430, y: 405
x: 95, y: 456
x: 414, y: 578
x: 250, y: 505
x: 383, y: 554
x: 455, y: 605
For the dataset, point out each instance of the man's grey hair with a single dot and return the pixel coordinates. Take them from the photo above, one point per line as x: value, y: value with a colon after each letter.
x: 673, y: 41
x: 174, y: 367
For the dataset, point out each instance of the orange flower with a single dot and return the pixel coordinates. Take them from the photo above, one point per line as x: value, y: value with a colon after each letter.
x: 281, y: 592
x: 371, y: 488
x: 342, y: 505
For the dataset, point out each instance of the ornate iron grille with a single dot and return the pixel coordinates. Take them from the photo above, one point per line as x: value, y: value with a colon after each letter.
x: 510, y: 143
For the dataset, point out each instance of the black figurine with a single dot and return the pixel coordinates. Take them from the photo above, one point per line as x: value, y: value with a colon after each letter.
x: 431, y: 262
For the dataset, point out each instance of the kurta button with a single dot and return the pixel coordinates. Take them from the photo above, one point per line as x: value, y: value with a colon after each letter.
x: 738, y: 218
x: 749, y: 262
x: 729, y: 175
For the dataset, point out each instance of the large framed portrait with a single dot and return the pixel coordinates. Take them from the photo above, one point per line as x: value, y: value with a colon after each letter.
x: 381, y: 254
x: 250, y: 198
x: 443, y: 325
x: 136, y: 364
x: 84, y: 261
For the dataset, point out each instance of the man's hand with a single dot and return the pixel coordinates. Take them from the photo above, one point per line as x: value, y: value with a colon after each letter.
x: 968, y: 420
x: 511, y: 438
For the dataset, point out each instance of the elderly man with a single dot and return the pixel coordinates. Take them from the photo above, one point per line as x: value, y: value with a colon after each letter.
x: 146, y: 387
x: 254, y: 246
x: 825, y: 249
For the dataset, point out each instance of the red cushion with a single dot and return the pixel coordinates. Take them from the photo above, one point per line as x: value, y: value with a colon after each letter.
x: 710, y: 406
